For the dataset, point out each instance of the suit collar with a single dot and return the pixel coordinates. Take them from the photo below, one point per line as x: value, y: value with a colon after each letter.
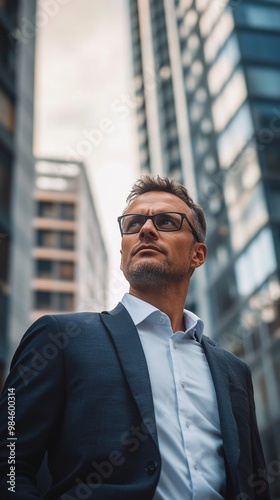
x: 139, y: 310
x: 121, y: 327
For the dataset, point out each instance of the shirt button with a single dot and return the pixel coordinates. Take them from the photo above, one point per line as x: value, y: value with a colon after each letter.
x: 161, y: 319
x: 187, y: 424
x: 182, y: 382
x: 151, y: 467
x: 174, y: 345
x: 195, y: 466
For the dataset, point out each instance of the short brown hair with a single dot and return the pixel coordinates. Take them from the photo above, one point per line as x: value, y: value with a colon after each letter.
x: 148, y: 183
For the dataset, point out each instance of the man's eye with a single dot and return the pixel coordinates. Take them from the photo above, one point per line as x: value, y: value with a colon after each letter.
x: 166, y: 220
x: 134, y: 223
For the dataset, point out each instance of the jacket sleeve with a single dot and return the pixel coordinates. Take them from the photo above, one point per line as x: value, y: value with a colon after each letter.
x: 30, y: 406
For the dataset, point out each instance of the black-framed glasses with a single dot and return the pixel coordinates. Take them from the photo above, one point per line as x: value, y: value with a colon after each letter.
x: 163, y: 221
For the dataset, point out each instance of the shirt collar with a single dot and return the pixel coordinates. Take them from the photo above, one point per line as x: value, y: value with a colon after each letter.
x: 140, y: 310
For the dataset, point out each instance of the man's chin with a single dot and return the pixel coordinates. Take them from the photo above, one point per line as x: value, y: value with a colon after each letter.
x: 147, y: 273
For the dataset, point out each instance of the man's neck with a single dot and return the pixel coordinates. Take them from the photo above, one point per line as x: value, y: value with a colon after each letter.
x: 170, y: 302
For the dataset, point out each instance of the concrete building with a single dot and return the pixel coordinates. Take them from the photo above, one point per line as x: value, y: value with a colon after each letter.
x: 207, y: 81
x: 17, y: 47
x: 69, y: 256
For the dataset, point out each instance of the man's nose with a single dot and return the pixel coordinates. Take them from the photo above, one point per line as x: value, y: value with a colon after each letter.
x: 148, y: 229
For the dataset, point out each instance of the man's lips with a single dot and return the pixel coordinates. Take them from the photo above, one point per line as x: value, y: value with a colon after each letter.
x: 147, y: 248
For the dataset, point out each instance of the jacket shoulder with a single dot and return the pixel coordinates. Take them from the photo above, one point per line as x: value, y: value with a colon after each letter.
x: 228, y: 356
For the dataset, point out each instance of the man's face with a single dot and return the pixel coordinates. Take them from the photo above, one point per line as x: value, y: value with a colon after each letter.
x: 153, y: 258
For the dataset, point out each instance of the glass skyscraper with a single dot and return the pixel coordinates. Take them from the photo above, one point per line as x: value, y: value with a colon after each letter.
x: 17, y: 175
x: 207, y: 84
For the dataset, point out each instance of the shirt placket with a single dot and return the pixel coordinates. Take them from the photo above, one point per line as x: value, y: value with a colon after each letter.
x: 184, y: 411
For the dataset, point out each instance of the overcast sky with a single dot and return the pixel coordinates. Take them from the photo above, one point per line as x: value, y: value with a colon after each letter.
x: 84, y: 104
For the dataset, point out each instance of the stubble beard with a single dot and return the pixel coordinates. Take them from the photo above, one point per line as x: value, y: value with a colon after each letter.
x: 152, y: 275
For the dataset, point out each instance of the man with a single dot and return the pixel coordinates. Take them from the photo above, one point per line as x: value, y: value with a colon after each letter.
x: 136, y: 403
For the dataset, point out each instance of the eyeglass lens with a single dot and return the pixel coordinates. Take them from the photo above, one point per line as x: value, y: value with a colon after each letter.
x: 163, y: 222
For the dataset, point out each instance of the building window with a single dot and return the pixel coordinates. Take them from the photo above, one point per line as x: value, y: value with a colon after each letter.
x: 260, y: 46
x: 46, y: 238
x: 218, y: 37
x: 53, y: 301
x: 8, y: 54
x: 6, y: 111
x: 5, y: 186
x: 271, y: 157
x: 201, y: 145
x: 267, y: 115
x: 190, y: 19
x: 67, y: 240
x: 258, y: 261
x: 243, y: 178
x: 66, y: 270
x: 64, y: 240
x: 247, y: 216
x: 235, y: 137
x: 66, y: 302
x: 47, y: 209
x: 224, y: 66
x: 43, y: 301
x: 263, y: 81
x: 229, y: 101
x: 224, y: 294
x: 52, y: 210
x: 196, y: 111
x: 57, y: 270
x: 44, y: 268
x: 67, y: 211
x: 209, y: 19
x: 258, y: 16
x: 218, y: 259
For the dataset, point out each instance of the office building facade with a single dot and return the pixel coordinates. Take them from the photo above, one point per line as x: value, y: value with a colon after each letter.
x: 69, y: 256
x: 216, y: 75
x: 17, y: 48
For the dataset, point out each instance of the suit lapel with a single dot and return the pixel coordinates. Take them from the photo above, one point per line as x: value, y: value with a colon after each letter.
x: 218, y: 367
x: 129, y: 348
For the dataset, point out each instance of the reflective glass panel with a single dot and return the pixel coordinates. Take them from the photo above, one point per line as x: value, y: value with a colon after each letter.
x: 242, y: 177
x: 256, y: 263
x: 263, y: 81
x: 230, y: 99
x: 247, y: 215
x: 260, y: 46
x: 219, y: 35
x: 209, y: 19
x: 235, y: 137
x: 224, y: 66
x: 258, y: 16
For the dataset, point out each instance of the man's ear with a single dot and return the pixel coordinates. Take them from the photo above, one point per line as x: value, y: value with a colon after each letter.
x: 199, y: 254
x: 121, y: 260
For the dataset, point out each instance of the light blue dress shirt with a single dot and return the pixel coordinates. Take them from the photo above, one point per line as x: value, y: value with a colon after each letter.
x: 187, y: 418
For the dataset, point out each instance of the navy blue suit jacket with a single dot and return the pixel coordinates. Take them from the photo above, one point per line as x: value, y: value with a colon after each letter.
x: 83, y: 394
